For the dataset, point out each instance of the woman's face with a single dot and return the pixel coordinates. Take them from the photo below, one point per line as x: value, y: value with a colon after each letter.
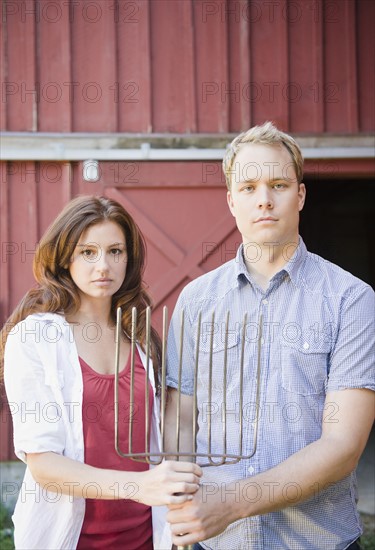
x: 98, y: 263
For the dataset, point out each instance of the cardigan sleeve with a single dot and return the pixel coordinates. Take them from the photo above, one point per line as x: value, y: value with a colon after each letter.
x: 31, y: 390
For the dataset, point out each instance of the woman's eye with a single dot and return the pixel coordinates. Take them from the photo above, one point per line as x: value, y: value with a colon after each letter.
x: 116, y: 251
x: 89, y: 254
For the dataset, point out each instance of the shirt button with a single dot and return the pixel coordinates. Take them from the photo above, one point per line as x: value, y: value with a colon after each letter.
x: 262, y: 340
x: 306, y: 345
x: 250, y: 470
x: 265, y: 302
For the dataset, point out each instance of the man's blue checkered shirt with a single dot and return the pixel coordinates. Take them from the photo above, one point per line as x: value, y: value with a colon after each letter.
x: 317, y: 337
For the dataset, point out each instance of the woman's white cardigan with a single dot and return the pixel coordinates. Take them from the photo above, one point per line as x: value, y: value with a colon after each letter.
x: 44, y: 387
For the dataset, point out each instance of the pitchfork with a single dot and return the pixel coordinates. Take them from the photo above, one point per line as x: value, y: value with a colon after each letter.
x: 214, y: 459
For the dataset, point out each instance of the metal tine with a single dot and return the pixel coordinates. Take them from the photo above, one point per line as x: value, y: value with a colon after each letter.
x: 163, y: 377
x: 224, y: 457
x: 224, y: 418
x: 209, y: 408
x: 258, y: 384
x: 147, y: 388
x: 213, y: 459
x: 133, y: 339
x: 243, y: 338
x: 195, y: 394
x: 179, y: 385
x: 117, y: 363
x: 257, y: 395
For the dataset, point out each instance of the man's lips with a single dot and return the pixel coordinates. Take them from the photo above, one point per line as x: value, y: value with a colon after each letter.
x: 266, y: 219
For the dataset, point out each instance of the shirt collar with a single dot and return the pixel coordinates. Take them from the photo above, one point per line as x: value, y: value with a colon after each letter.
x: 292, y: 268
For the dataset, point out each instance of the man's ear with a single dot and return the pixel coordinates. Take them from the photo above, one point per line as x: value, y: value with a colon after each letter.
x: 230, y: 202
x: 301, y: 196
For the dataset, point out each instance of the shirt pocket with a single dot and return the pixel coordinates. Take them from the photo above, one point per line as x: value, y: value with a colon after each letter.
x: 218, y: 360
x: 304, y: 367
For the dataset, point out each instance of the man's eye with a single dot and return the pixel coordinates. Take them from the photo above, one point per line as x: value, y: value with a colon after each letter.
x: 279, y: 185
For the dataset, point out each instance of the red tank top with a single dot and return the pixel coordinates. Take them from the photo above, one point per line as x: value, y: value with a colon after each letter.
x: 115, y: 524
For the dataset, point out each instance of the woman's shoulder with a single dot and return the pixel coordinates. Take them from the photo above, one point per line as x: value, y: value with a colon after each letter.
x: 33, y: 327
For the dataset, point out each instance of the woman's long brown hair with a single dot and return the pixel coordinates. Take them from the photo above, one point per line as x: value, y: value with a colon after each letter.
x: 57, y: 293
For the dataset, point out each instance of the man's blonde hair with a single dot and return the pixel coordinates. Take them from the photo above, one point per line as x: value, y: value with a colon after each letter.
x: 266, y: 134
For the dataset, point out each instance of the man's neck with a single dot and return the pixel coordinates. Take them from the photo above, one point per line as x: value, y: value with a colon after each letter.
x: 268, y: 261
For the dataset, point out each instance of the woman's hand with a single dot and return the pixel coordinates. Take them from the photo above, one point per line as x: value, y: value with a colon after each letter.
x: 170, y: 482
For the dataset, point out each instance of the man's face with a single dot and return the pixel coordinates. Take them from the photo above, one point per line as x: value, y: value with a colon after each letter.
x: 265, y: 197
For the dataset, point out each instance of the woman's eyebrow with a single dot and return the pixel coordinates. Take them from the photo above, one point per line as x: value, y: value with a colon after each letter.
x: 96, y: 244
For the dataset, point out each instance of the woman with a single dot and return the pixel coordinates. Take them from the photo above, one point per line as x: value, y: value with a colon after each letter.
x: 59, y: 376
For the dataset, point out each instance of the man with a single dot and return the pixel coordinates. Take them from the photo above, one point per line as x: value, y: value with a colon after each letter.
x: 314, y: 326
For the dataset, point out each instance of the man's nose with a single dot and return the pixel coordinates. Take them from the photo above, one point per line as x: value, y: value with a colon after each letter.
x: 264, y: 198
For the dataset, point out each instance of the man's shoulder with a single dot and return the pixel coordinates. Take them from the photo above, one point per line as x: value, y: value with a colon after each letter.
x: 212, y: 284
x: 330, y: 279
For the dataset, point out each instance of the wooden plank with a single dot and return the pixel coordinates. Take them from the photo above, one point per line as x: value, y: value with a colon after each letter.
x: 93, y: 55
x: 161, y: 174
x: 161, y: 240
x: 270, y: 65
x: 213, y: 88
x: 338, y: 75
x: 6, y: 246
x: 172, y: 73
x: 366, y: 63
x: 189, y: 90
x: 191, y: 266
x: 54, y: 191
x: 351, y: 64
x: 133, y: 88
x: 305, y: 61
x: 22, y: 95
x: 23, y: 228
x: 318, y: 69
x: 340, y: 168
x: 54, y: 58
x: 239, y: 65
x: 3, y: 71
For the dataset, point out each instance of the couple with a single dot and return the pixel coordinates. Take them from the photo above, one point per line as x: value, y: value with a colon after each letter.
x: 315, y: 388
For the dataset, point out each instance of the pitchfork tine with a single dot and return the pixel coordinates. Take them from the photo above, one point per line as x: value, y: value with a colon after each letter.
x: 163, y: 375
x: 117, y: 363
x: 133, y: 339
x: 147, y: 388
x: 225, y: 389
x: 179, y: 385
x: 195, y: 394
x: 209, y: 408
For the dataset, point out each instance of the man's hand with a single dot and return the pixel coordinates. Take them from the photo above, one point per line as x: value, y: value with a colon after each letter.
x: 200, y: 518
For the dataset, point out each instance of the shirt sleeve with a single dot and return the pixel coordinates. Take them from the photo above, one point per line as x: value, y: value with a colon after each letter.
x: 174, y: 347
x: 36, y: 413
x: 352, y: 358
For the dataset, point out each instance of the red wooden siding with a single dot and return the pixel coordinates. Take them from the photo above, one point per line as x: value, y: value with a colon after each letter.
x: 188, y: 65
x: 170, y: 66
